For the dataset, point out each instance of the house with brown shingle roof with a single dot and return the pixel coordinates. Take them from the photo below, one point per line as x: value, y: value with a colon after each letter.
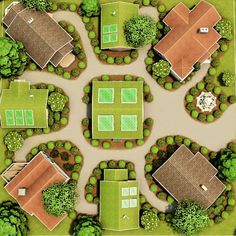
x: 191, y: 39
x: 190, y: 177
x: 44, y: 39
x: 26, y: 181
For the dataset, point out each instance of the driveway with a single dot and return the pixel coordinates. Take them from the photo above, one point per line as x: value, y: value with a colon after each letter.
x: 167, y: 110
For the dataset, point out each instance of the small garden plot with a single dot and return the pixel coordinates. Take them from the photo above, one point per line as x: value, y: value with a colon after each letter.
x: 79, y: 64
x: 58, y: 115
x: 65, y: 154
x: 123, y: 126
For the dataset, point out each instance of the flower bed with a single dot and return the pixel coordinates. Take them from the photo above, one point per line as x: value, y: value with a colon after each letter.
x: 56, y: 120
x: 109, y: 143
x: 64, y: 153
x: 78, y: 66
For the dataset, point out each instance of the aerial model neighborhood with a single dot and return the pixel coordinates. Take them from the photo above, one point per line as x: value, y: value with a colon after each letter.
x: 117, y: 117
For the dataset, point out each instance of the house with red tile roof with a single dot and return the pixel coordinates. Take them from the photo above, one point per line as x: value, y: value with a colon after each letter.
x: 191, y: 39
x: 26, y: 181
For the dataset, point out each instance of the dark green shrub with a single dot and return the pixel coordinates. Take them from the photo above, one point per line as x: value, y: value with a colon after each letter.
x: 202, y: 117
x: 193, y: 91
x: 161, y: 142
x: 64, y: 156
x: 111, y: 164
x: 118, y: 60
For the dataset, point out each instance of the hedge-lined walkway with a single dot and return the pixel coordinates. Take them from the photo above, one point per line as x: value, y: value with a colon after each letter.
x: 167, y: 110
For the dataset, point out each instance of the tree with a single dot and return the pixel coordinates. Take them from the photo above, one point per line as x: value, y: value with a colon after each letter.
x: 86, y: 225
x: 149, y: 220
x: 90, y: 8
x: 13, y: 58
x: 13, y: 140
x: 228, y: 79
x: 227, y: 165
x: 161, y: 68
x: 189, y: 218
x: 59, y: 199
x: 13, y: 221
x: 139, y: 31
x: 225, y: 28
x: 57, y: 101
x: 38, y: 5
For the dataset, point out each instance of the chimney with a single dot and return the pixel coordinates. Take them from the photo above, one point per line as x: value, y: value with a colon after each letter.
x: 21, y: 191
x: 203, y: 187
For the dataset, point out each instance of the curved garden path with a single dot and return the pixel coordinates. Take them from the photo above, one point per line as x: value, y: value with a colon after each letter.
x: 167, y: 110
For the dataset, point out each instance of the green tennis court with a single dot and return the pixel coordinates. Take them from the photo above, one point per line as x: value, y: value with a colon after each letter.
x: 128, y: 123
x: 105, y: 123
x: 129, y: 95
x: 106, y: 95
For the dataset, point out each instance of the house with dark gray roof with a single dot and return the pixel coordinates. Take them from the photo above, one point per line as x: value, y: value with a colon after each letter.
x: 190, y: 177
x: 44, y: 39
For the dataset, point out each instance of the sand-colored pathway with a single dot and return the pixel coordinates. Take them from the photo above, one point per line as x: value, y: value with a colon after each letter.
x: 167, y: 110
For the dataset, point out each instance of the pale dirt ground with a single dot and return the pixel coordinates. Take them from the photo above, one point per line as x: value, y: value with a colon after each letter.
x: 167, y: 110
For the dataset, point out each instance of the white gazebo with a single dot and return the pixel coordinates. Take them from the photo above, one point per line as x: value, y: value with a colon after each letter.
x: 206, y: 101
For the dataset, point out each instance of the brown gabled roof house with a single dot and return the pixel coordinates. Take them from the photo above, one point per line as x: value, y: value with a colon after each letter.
x: 28, y: 183
x: 44, y: 39
x: 191, y: 39
x: 190, y: 177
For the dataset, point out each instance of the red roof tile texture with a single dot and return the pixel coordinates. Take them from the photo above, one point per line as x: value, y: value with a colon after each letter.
x: 183, y: 46
x: 36, y: 176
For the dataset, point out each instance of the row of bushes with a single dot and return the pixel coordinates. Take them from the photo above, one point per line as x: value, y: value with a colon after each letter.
x: 64, y: 153
x: 78, y: 65
x: 223, y: 206
x: 91, y: 188
x: 56, y: 121
x: 109, y: 144
x: 87, y: 98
